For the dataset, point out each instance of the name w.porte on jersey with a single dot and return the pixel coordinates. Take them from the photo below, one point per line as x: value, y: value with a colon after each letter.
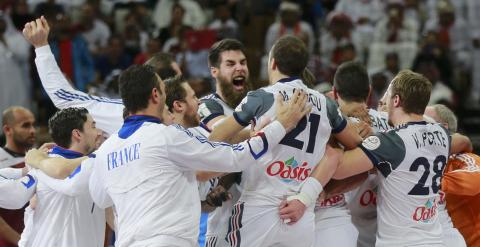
x: 436, y: 138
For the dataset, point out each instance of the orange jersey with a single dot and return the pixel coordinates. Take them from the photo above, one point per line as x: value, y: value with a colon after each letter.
x: 461, y: 184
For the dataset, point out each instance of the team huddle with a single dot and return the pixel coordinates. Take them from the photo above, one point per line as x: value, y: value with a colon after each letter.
x: 283, y: 165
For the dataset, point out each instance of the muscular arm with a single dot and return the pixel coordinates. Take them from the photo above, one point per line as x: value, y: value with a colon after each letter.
x: 55, y: 167
x: 227, y: 129
x: 335, y: 186
x: 353, y: 162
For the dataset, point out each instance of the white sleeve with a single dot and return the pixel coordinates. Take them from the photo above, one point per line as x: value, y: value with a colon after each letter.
x: 11, y: 173
x: 14, y: 194
x: 196, y: 152
x: 97, y: 189
x: 74, y: 185
x: 107, y: 113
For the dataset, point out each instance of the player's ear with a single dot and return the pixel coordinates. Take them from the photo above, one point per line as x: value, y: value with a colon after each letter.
x: 155, y: 95
x: 396, y: 100
x: 273, y: 64
x: 335, y: 93
x: 177, y: 106
x: 214, y: 71
x: 6, y: 129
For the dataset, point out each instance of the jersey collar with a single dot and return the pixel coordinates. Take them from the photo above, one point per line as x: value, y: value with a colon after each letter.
x: 288, y: 79
x: 133, y: 123
x: 66, y: 153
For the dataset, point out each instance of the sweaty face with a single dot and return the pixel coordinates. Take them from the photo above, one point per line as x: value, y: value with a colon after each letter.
x: 91, y: 136
x: 191, y: 117
x: 233, y: 76
x: 23, y: 129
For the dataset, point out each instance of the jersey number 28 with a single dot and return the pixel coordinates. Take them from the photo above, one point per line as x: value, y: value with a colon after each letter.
x: 438, y: 165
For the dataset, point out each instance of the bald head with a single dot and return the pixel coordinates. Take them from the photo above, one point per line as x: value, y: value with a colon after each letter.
x: 12, y: 113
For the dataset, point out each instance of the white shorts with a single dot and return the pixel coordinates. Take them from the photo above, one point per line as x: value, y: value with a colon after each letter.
x: 453, y: 238
x: 216, y: 241
x: 367, y: 231
x: 261, y: 226
x: 341, y: 234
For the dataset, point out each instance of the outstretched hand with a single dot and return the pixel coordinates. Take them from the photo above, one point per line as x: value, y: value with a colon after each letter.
x: 36, y: 32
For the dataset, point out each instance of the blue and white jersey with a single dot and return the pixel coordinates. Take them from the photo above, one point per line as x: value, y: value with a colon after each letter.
x: 213, y: 106
x: 107, y: 113
x: 147, y: 170
x: 65, y: 214
x: 290, y: 163
x: 15, y: 193
x: 410, y: 160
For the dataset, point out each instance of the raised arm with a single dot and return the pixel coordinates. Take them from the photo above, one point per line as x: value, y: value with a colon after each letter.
x: 106, y: 112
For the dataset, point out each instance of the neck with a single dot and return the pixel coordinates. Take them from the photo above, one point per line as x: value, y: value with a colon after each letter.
x: 150, y: 111
x: 345, y: 103
x: 179, y: 119
x: 276, y: 76
x: 77, y: 147
x: 15, y: 148
x: 402, y: 118
x: 218, y: 91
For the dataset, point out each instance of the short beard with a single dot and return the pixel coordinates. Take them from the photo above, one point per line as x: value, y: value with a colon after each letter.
x: 232, y: 97
x: 24, y: 144
x: 191, y: 121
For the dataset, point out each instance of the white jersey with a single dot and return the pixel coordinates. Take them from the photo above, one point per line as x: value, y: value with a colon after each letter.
x: 213, y: 106
x: 65, y: 214
x: 147, y: 170
x: 8, y: 160
x: 302, y: 148
x: 15, y: 193
x: 410, y: 160
x: 362, y: 201
x: 107, y: 113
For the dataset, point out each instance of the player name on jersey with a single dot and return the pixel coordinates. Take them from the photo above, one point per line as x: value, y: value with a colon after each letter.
x: 311, y: 98
x: 423, y: 139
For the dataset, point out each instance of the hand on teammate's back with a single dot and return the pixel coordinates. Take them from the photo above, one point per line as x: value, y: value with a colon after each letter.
x: 34, y: 156
x: 363, y: 129
x: 36, y: 32
x: 290, y: 112
x: 357, y: 110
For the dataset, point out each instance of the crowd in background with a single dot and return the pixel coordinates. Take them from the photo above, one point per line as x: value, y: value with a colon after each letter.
x: 94, y: 40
